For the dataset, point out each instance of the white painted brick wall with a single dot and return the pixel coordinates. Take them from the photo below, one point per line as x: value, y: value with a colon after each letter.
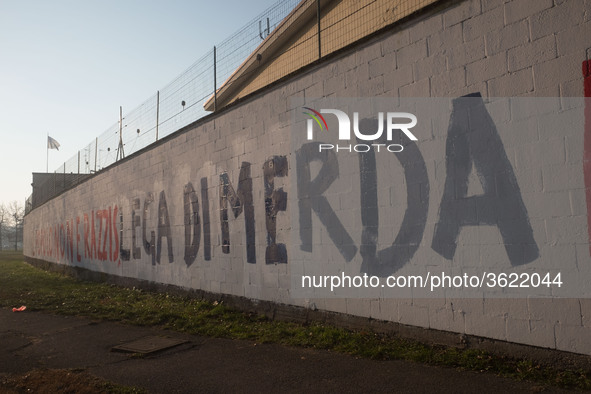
x: 495, y: 47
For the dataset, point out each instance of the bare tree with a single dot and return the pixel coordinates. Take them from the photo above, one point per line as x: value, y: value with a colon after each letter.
x: 4, y: 217
x: 16, y: 213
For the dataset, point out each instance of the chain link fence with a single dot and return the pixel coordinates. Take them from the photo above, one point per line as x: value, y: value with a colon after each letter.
x: 321, y: 27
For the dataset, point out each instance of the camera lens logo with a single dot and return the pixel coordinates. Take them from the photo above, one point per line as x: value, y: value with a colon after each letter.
x: 317, y: 117
x: 390, y: 124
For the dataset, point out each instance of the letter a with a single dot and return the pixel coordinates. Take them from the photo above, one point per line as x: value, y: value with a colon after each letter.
x: 473, y: 139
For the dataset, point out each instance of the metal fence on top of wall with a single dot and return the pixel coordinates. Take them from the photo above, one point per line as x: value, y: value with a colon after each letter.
x: 332, y: 25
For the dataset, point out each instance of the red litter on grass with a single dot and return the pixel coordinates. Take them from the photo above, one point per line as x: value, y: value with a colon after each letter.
x: 22, y: 308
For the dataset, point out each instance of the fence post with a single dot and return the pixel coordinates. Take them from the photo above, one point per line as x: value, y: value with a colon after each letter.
x: 318, y: 23
x: 120, y: 151
x: 95, y: 152
x: 157, y: 111
x: 215, y: 83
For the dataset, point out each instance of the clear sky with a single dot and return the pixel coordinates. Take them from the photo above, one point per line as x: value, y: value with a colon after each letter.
x: 67, y: 65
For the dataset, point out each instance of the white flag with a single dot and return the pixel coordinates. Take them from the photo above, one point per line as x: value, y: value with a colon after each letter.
x: 52, y: 144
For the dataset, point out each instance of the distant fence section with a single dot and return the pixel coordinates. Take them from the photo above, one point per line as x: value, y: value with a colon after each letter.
x: 226, y: 70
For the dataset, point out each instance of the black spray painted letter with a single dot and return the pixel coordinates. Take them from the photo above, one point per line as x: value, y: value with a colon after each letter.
x: 472, y: 139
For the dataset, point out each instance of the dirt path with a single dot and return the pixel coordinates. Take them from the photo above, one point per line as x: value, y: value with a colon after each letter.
x: 30, y: 340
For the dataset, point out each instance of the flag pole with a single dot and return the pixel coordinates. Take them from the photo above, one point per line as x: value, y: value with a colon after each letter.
x: 47, y: 162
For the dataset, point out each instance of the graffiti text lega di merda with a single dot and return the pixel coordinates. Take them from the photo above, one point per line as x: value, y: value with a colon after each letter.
x: 98, y: 234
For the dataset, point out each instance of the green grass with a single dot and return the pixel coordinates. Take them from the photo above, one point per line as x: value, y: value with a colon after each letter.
x: 21, y: 284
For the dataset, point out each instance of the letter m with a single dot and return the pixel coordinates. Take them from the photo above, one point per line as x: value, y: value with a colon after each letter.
x: 238, y: 200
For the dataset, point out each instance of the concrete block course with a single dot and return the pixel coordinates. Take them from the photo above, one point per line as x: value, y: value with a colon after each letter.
x: 520, y: 9
x: 411, y: 53
x: 570, y: 39
x: 425, y: 28
x: 507, y: 37
x: 554, y: 71
x: 465, y: 53
x: 429, y: 67
x: 487, y: 68
x: 460, y: 12
x: 479, y: 25
x: 219, y: 207
x: 449, y: 37
x: 554, y: 20
x: 537, y: 51
x: 512, y: 84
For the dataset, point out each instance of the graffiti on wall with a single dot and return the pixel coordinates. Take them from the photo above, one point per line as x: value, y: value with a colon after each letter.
x: 472, y: 141
x: 92, y: 235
